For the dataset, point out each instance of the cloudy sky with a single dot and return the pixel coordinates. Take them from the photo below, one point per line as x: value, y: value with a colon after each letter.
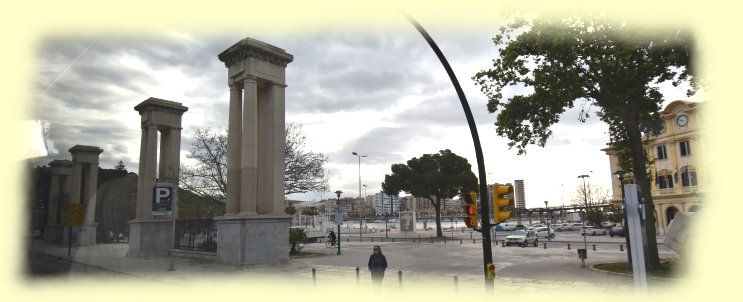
x: 376, y: 90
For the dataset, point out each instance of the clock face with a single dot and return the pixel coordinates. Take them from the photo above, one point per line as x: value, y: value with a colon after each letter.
x: 682, y: 120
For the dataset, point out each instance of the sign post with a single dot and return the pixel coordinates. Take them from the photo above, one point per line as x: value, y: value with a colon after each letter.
x: 74, y: 216
x: 635, y: 216
x: 163, y: 203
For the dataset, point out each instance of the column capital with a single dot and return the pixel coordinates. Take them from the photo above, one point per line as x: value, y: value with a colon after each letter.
x: 235, y: 85
x: 249, y: 78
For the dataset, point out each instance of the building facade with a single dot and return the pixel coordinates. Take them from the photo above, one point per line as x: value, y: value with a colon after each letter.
x: 678, y: 175
x: 383, y: 204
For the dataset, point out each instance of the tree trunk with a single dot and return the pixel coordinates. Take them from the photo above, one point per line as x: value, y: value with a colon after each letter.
x: 437, y: 207
x: 641, y: 178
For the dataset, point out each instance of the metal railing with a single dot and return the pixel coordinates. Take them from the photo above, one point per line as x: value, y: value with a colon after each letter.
x: 196, y: 235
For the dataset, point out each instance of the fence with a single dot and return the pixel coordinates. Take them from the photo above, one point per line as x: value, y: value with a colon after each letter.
x: 196, y: 235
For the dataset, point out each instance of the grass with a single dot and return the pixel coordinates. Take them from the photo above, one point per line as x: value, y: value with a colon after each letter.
x: 669, y: 268
x: 301, y: 254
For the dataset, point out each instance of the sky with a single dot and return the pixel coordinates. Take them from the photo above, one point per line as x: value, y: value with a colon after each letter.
x: 379, y: 91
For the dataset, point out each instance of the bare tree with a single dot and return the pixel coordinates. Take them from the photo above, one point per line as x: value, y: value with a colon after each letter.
x: 593, y: 194
x: 303, y: 170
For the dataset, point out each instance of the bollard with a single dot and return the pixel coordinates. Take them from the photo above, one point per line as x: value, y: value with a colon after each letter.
x: 431, y: 238
x: 473, y: 241
x: 621, y: 248
x: 399, y: 274
x: 470, y: 235
x: 419, y: 238
x: 568, y: 245
x: 594, y: 247
x: 545, y: 246
x: 503, y: 243
x: 372, y: 239
x: 460, y: 241
x: 456, y: 284
x: 524, y: 245
x: 393, y: 239
x: 348, y: 240
x: 357, y: 275
x: 444, y: 241
x: 382, y: 239
x: 314, y: 282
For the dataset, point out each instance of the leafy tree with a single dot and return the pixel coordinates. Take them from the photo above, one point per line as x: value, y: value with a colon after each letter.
x: 606, y: 66
x: 434, y: 177
x: 297, y: 236
x: 595, y: 216
x: 312, y: 212
x: 591, y: 194
x: 120, y: 166
x: 303, y: 170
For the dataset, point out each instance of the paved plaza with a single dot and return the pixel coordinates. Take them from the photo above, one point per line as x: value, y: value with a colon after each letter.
x: 451, y: 266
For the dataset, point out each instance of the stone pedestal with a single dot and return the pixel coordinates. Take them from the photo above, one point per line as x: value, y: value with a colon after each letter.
x: 81, y: 234
x: 54, y: 233
x: 150, y: 237
x: 250, y: 240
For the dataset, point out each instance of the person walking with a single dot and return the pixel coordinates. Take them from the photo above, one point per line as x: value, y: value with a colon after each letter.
x: 377, y: 265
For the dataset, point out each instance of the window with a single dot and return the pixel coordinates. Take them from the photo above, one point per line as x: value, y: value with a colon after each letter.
x: 685, y: 148
x: 664, y: 180
x: 688, y: 178
x: 662, y: 152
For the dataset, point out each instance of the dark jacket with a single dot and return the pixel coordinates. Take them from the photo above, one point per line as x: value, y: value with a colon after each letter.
x: 377, y: 263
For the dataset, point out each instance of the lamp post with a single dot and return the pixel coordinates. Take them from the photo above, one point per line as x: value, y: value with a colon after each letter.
x: 363, y: 211
x: 359, y: 156
x: 585, y: 200
x: 548, y: 222
x: 620, y: 175
x: 337, y: 222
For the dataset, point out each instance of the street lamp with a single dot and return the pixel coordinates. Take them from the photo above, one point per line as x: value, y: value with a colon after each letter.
x: 548, y: 221
x: 620, y: 175
x: 337, y: 212
x: 359, y: 156
x: 585, y: 200
x: 363, y: 212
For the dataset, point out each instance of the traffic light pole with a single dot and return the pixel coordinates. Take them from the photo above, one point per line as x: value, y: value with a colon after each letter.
x: 484, y: 205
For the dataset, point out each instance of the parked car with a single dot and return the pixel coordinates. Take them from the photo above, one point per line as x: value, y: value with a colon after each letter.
x: 542, y: 232
x: 616, y: 231
x: 562, y: 227
x: 522, y: 238
x: 575, y: 226
x: 537, y: 226
x: 520, y: 227
x: 502, y: 227
x: 593, y: 231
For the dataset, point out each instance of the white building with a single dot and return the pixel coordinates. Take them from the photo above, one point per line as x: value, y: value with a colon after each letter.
x: 382, y: 204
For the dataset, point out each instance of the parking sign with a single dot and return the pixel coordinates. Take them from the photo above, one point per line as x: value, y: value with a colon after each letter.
x: 162, y: 198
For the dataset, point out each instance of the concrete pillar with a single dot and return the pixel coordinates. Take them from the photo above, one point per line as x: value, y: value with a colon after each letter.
x: 85, y: 162
x: 91, y: 192
x: 249, y: 152
x: 234, y: 136
x: 150, y: 235
x: 259, y: 233
x: 53, y: 201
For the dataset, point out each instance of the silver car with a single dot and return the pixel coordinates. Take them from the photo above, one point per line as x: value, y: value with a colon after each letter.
x: 522, y: 238
x: 543, y: 232
x: 593, y: 231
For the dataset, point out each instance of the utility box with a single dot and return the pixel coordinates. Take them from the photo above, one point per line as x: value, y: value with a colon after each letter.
x: 582, y: 254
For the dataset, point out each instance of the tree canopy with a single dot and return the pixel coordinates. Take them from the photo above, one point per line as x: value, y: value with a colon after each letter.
x: 435, y: 177
x: 569, y: 62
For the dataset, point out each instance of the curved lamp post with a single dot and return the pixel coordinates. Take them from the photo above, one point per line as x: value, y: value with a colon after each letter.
x: 360, y: 220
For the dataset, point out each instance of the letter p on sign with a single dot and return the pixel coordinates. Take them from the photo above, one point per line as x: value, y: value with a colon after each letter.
x: 162, y: 198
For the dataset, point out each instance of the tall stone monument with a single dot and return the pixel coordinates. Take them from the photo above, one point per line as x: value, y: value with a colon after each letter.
x: 148, y: 234
x: 84, y: 190
x: 59, y: 195
x: 255, y: 228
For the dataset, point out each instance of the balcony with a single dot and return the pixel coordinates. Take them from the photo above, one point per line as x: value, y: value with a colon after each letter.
x: 675, y: 191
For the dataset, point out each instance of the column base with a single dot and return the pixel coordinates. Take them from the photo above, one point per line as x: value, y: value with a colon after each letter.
x: 251, y: 240
x: 54, y: 233
x: 150, y: 237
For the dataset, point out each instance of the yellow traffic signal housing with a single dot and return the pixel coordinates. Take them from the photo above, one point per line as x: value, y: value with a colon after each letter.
x: 503, y: 203
x: 490, y: 268
x: 470, y: 209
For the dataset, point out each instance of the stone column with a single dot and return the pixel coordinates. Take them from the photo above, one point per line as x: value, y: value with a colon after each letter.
x: 279, y: 144
x: 150, y: 235
x: 53, y: 201
x: 234, y: 137
x: 85, y: 162
x: 249, y: 152
x: 148, y: 176
x: 91, y: 192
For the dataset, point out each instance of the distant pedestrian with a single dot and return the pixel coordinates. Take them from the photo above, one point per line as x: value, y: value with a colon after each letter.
x: 377, y: 265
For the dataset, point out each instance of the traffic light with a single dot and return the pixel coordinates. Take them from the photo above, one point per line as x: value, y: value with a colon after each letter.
x: 490, y: 268
x: 470, y: 209
x: 503, y: 204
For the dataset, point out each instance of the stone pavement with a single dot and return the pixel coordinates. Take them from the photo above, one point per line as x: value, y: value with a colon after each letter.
x: 421, y: 269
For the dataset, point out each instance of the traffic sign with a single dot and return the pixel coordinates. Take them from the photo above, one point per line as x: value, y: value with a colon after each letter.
x: 162, y: 198
x: 75, y: 214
